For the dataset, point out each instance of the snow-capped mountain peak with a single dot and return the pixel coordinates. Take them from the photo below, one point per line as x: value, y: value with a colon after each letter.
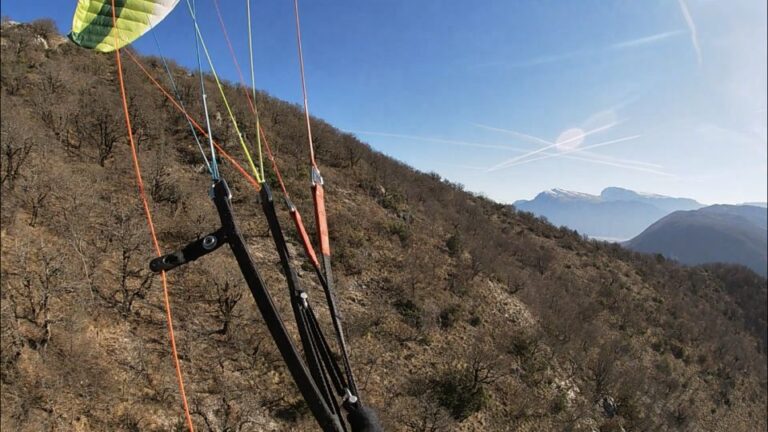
x: 564, y: 194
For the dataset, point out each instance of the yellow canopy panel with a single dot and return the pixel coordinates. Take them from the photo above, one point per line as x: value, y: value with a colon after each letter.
x: 94, y: 26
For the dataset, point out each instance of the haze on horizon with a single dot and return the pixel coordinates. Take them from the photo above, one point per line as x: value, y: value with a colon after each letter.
x: 513, y: 98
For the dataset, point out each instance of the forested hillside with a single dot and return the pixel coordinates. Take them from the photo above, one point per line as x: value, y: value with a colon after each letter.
x: 462, y: 314
x: 719, y: 233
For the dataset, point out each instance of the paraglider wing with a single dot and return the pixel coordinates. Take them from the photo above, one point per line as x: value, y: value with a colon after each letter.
x: 93, y: 26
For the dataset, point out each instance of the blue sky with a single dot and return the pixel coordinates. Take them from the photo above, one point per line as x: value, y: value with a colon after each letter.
x: 665, y: 96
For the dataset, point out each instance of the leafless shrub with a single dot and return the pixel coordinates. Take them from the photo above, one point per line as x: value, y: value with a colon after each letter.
x: 227, y: 297
x: 31, y: 291
x: 133, y: 276
x: 16, y: 148
x: 102, y: 130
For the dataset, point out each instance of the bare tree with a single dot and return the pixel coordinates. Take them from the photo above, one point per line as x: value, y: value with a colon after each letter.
x: 133, y: 275
x: 514, y: 284
x: 485, y: 368
x: 227, y: 297
x: 36, y: 192
x: 102, y: 130
x: 36, y: 199
x: 429, y: 417
x: 16, y: 147
x: 61, y: 125
x: 600, y: 370
x: 22, y: 43
x: 354, y: 153
x: 162, y: 188
x: 74, y: 217
x: 31, y: 299
x: 51, y: 81
x: 139, y: 123
x: 225, y: 415
x: 463, y: 390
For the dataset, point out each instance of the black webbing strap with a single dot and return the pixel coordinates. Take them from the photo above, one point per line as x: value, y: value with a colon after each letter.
x: 230, y: 234
x: 191, y: 252
x: 299, y: 300
x: 331, y: 365
x: 316, y: 346
x: 325, y: 380
x: 326, y: 274
x: 336, y: 319
x: 336, y: 316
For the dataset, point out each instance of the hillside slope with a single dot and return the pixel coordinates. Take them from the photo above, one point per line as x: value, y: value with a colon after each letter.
x: 462, y: 314
x: 722, y: 233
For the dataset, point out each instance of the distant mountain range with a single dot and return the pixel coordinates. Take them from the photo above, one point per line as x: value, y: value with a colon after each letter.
x: 616, y: 214
x: 678, y: 228
x: 719, y: 233
x: 756, y: 204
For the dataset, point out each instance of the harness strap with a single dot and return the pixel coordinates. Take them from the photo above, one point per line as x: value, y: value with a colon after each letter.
x: 297, y: 295
x: 323, y: 413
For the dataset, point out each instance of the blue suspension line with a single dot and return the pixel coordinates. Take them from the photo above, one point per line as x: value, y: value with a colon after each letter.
x: 178, y: 97
x: 214, y: 165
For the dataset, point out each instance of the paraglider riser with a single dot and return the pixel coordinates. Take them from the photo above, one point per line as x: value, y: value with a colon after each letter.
x: 229, y: 233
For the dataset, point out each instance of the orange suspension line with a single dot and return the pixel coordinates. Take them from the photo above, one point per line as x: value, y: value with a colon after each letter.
x: 234, y: 57
x: 295, y: 215
x: 197, y: 126
x: 318, y: 192
x: 148, y: 213
x: 251, y: 102
x: 304, y: 83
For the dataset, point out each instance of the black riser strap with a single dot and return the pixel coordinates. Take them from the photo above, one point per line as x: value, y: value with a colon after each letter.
x: 294, y: 291
x: 323, y: 376
x: 263, y: 299
x: 326, y: 281
x: 331, y: 366
x: 191, y: 252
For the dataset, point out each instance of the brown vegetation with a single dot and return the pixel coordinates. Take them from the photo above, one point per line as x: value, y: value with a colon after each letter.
x: 462, y: 313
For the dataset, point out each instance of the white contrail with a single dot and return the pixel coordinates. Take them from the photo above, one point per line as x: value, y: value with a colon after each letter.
x: 526, y: 137
x: 552, y: 145
x: 466, y: 167
x: 620, y: 163
x: 554, y: 58
x: 436, y: 140
x: 443, y: 141
x: 646, y: 40
x: 543, y: 142
x: 535, y: 61
x: 576, y: 150
x: 691, y: 28
x: 620, y: 160
x: 595, y: 161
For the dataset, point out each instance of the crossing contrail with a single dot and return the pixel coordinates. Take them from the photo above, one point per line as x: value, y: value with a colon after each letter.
x: 619, y: 163
x: 566, y: 152
x: 691, y: 29
x: 510, y: 162
x: 543, y: 142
